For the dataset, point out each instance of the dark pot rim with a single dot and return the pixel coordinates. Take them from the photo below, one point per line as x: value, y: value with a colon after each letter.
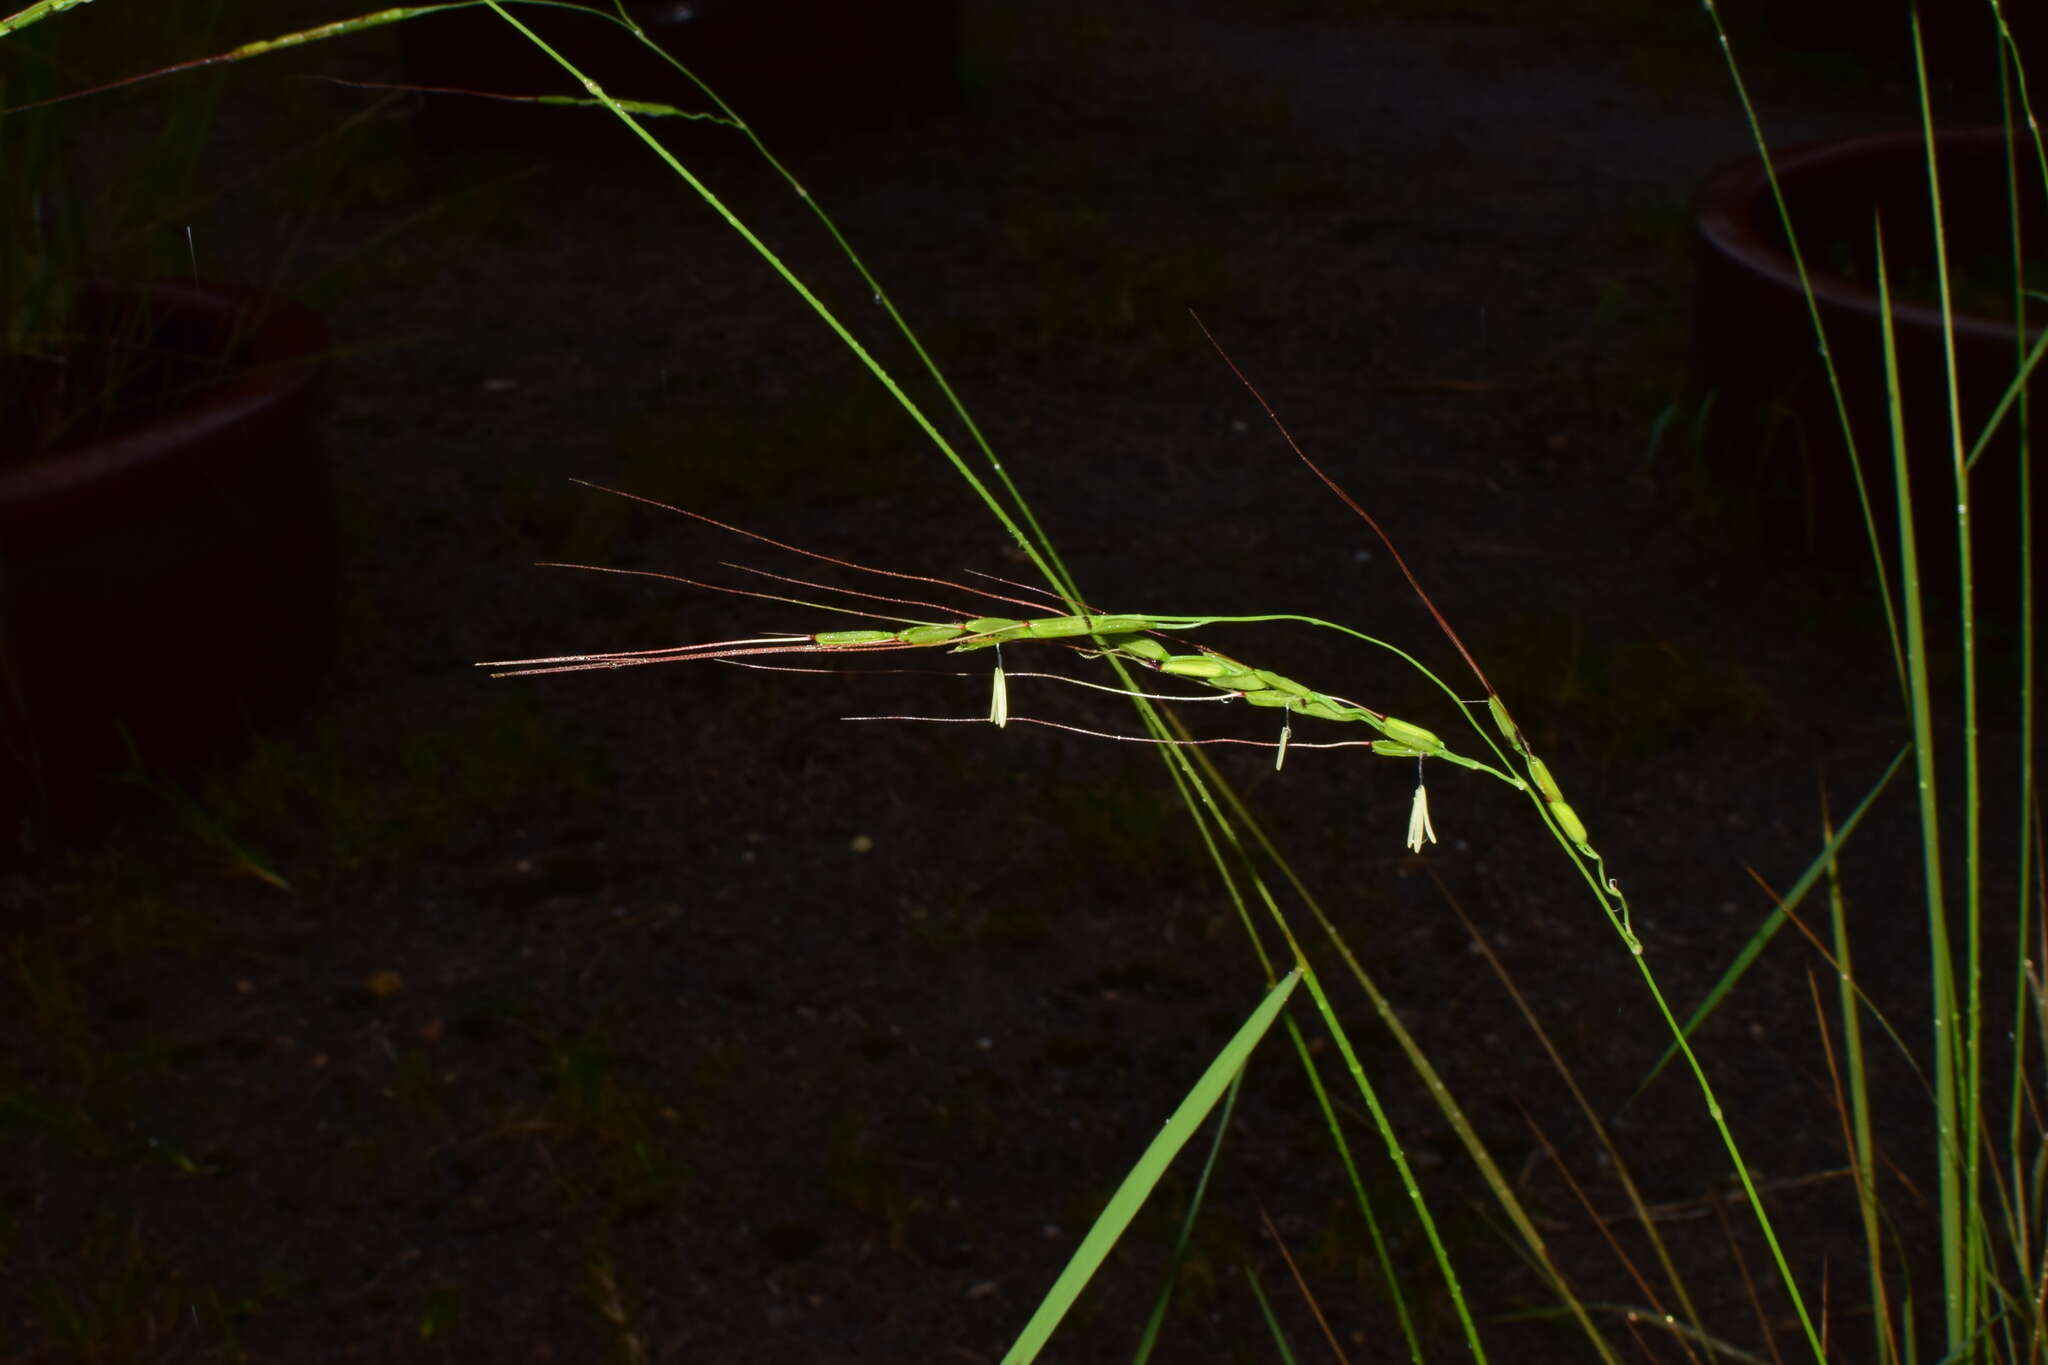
x: 283, y: 354
x: 1726, y: 212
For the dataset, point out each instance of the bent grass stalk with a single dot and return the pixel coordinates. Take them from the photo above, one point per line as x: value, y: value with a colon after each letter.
x: 1133, y: 638
x: 1197, y: 785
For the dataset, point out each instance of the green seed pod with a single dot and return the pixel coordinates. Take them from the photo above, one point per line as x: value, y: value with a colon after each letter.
x: 1501, y: 719
x: 1545, y: 783
x: 985, y: 632
x: 1414, y: 736
x: 1241, y: 682
x: 1323, y: 710
x: 1386, y: 748
x: 1114, y: 625
x: 1196, y: 666
x: 992, y: 625
x: 1138, y: 646
x: 1060, y: 627
x: 1269, y: 696
x: 841, y: 639
x: 1284, y: 684
x: 931, y: 635
x: 1568, y: 821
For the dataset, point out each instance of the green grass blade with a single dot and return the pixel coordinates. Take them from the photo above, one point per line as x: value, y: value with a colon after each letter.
x: 1716, y: 1349
x: 1940, y: 966
x: 1199, y: 785
x: 1019, y: 506
x: 1775, y: 921
x: 1372, y: 1222
x: 1131, y: 1194
x: 1601, y: 1133
x: 42, y: 9
x: 2015, y: 392
x: 258, y: 48
x: 1025, y: 542
x: 199, y: 822
x: 1280, y: 1346
x: 1751, y: 1195
x: 1203, y: 785
x: 1424, y: 1070
x: 1861, y: 1145
x: 1149, y: 1338
x: 2027, y: 1185
x: 642, y: 108
x: 1827, y: 356
x: 1399, y: 1156
x: 1439, y: 1094
x: 1968, y: 1296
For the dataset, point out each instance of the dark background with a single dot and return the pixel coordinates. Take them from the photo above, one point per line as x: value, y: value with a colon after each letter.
x: 665, y: 1015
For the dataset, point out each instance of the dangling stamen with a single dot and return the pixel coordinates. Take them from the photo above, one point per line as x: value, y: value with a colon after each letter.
x: 1419, y: 828
x: 999, y: 701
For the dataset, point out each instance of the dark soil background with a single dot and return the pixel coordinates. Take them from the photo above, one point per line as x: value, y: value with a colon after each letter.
x: 665, y: 1015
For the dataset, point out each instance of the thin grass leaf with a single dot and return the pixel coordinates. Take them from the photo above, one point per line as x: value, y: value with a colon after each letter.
x: 1600, y: 1132
x: 1878, y: 557
x: 42, y: 9
x: 1149, y: 1337
x: 1835, y: 964
x: 1279, y: 1334
x: 1857, y: 1139
x: 1024, y: 541
x: 1775, y: 921
x: 259, y: 48
x: 1751, y: 1194
x: 1360, y: 1080
x: 1940, y: 966
x: 1200, y: 785
x: 2011, y: 401
x: 1488, y: 1168
x: 1756, y: 1306
x: 1372, y: 1223
x: 2028, y: 1184
x: 1497, y: 1183
x: 201, y: 823
x: 1130, y: 1196
x: 1968, y: 1299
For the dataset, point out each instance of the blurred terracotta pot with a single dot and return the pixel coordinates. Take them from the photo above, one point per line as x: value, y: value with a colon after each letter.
x: 167, y: 572
x: 1776, y: 441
